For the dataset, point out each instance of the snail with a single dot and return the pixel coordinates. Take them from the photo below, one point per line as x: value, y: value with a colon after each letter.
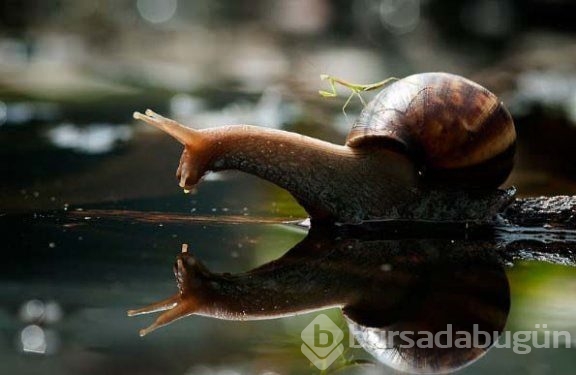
x: 430, y: 147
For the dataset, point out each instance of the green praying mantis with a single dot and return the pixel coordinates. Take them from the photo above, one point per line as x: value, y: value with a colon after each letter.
x: 354, y: 87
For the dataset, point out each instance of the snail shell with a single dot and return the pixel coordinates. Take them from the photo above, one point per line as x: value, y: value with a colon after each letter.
x: 457, y: 132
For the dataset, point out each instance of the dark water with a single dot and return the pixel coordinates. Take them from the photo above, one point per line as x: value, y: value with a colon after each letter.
x: 69, y: 277
x: 76, y: 276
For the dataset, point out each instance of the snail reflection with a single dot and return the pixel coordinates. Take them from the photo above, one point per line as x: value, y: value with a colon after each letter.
x: 382, y: 284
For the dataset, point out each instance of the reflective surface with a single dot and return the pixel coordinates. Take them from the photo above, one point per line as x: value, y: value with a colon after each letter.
x: 67, y: 289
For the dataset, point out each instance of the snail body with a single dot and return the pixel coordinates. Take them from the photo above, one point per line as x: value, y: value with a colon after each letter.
x: 431, y: 146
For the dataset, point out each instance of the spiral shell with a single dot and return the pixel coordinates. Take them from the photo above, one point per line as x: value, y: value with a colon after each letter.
x: 457, y: 132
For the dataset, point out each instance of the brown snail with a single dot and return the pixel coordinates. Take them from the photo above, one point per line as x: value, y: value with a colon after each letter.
x: 431, y: 146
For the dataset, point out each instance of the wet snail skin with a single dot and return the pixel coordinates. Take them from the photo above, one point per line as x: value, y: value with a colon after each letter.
x: 430, y: 147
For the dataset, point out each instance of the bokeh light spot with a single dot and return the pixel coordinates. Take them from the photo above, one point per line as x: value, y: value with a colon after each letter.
x: 157, y: 11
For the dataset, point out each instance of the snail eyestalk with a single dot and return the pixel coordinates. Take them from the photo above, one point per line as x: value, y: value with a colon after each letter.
x: 196, y: 148
x: 181, y: 133
x: 188, y: 272
x: 173, y: 308
x: 356, y: 88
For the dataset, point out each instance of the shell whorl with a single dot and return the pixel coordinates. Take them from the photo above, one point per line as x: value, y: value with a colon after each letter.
x: 456, y: 131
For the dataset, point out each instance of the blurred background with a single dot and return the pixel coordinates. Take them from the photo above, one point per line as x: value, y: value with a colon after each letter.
x: 72, y: 73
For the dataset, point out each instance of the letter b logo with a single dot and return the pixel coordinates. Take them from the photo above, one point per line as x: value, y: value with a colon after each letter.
x: 323, y: 338
x: 322, y: 342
